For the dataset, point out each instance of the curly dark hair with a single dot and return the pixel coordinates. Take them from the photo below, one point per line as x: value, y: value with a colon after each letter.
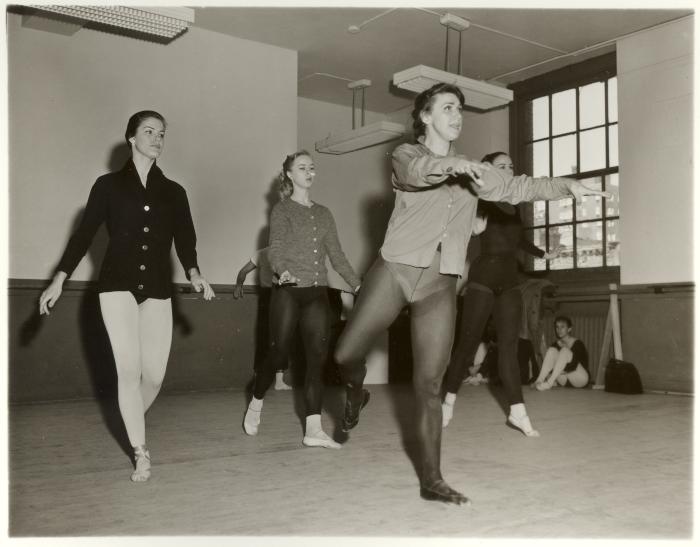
x: 424, y: 102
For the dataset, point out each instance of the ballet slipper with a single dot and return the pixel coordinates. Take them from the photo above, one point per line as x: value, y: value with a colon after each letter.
x: 523, y: 425
x: 143, y: 465
x: 543, y: 386
x: 251, y: 421
x: 319, y: 438
x: 352, y: 411
x: 440, y: 491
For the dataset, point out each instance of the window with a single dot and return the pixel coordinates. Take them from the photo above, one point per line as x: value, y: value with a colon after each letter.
x: 566, y: 125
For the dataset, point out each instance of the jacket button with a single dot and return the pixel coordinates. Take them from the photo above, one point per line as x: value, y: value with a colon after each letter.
x: 142, y: 267
x: 146, y: 229
x: 140, y: 287
x: 144, y: 247
x: 146, y: 207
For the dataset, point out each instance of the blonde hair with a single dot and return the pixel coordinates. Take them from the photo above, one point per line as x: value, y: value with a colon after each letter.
x: 286, y: 187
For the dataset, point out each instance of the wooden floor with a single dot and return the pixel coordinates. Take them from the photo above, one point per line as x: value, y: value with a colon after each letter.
x: 606, y: 466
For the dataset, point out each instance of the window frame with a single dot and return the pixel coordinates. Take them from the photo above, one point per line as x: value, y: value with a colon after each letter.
x: 598, y: 69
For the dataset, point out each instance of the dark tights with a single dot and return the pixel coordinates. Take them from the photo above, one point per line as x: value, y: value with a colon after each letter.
x: 308, y: 307
x: 387, y: 288
x: 479, y: 301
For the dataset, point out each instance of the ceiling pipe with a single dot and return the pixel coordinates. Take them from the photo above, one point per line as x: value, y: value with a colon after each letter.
x: 587, y: 49
x: 354, y: 29
x: 326, y: 74
x: 496, y: 31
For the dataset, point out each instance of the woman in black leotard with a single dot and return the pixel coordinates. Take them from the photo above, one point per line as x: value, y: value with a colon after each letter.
x: 144, y: 213
x: 566, y: 360
x: 493, y: 288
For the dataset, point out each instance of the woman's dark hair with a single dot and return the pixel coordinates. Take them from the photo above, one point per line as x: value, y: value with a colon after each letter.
x: 424, y: 102
x: 135, y: 121
x: 563, y: 319
x: 489, y: 158
x: 286, y: 185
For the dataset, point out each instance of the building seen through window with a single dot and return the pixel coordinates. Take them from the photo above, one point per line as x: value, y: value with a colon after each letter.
x: 572, y: 132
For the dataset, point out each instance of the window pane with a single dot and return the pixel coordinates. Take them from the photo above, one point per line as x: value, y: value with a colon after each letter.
x: 612, y: 132
x: 537, y: 159
x: 533, y: 214
x: 564, y: 112
x: 561, y: 238
x: 592, y: 149
x: 612, y: 100
x: 591, y: 100
x: 613, y: 247
x: 537, y: 119
x: 561, y: 210
x: 537, y: 237
x: 590, y: 207
x: 612, y: 205
x: 564, y: 156
x: 589, y: 245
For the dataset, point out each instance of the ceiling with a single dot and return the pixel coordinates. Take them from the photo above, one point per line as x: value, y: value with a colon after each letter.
x: 406, y: 37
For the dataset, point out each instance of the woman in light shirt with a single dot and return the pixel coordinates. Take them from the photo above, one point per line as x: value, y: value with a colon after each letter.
x: 424, y: 252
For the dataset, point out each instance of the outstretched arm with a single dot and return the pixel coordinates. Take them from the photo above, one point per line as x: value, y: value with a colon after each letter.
x: 415, y: 170
x: 496, y: 185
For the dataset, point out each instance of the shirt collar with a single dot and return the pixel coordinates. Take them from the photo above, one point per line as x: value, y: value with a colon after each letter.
x: 424, y: 148
x: 154, y: 174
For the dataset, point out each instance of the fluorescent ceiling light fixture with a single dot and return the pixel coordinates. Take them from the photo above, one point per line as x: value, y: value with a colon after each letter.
x: 364, y: 136
x: 165, y: 22
x: 478, y: 94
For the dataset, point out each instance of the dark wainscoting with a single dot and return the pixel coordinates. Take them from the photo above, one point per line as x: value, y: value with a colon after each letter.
x: 67, y: 355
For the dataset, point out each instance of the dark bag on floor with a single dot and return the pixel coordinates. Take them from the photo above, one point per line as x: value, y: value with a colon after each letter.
x: 622, y: 377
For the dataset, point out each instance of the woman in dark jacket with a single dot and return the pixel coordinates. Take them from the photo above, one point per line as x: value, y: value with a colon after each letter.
x: 144, y: 213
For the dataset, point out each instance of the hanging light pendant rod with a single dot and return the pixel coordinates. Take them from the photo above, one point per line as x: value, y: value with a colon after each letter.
x: 359, y: 85
x: 452, y: 22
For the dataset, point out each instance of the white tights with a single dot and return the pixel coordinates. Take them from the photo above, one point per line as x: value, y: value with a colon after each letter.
x: 140, y: 335
x: 553, y: 366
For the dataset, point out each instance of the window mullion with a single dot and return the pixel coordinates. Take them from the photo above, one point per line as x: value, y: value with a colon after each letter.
x: 604, y: 178
x: 551, y: 171
x: 574, y: 225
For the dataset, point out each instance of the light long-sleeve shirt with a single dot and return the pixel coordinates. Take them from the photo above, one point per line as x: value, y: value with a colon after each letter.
x: 433, y: 206
x: 300, y: 239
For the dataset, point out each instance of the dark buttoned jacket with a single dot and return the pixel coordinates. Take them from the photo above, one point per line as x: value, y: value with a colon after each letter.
x: 142, y: 223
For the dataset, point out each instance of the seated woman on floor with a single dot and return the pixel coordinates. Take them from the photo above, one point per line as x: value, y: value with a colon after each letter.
x: 566, y: 360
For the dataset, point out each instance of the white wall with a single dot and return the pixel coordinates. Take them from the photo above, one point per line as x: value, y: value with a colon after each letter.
x: 655, y: 95
x: 232, y: 115
x: 356, y: 186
